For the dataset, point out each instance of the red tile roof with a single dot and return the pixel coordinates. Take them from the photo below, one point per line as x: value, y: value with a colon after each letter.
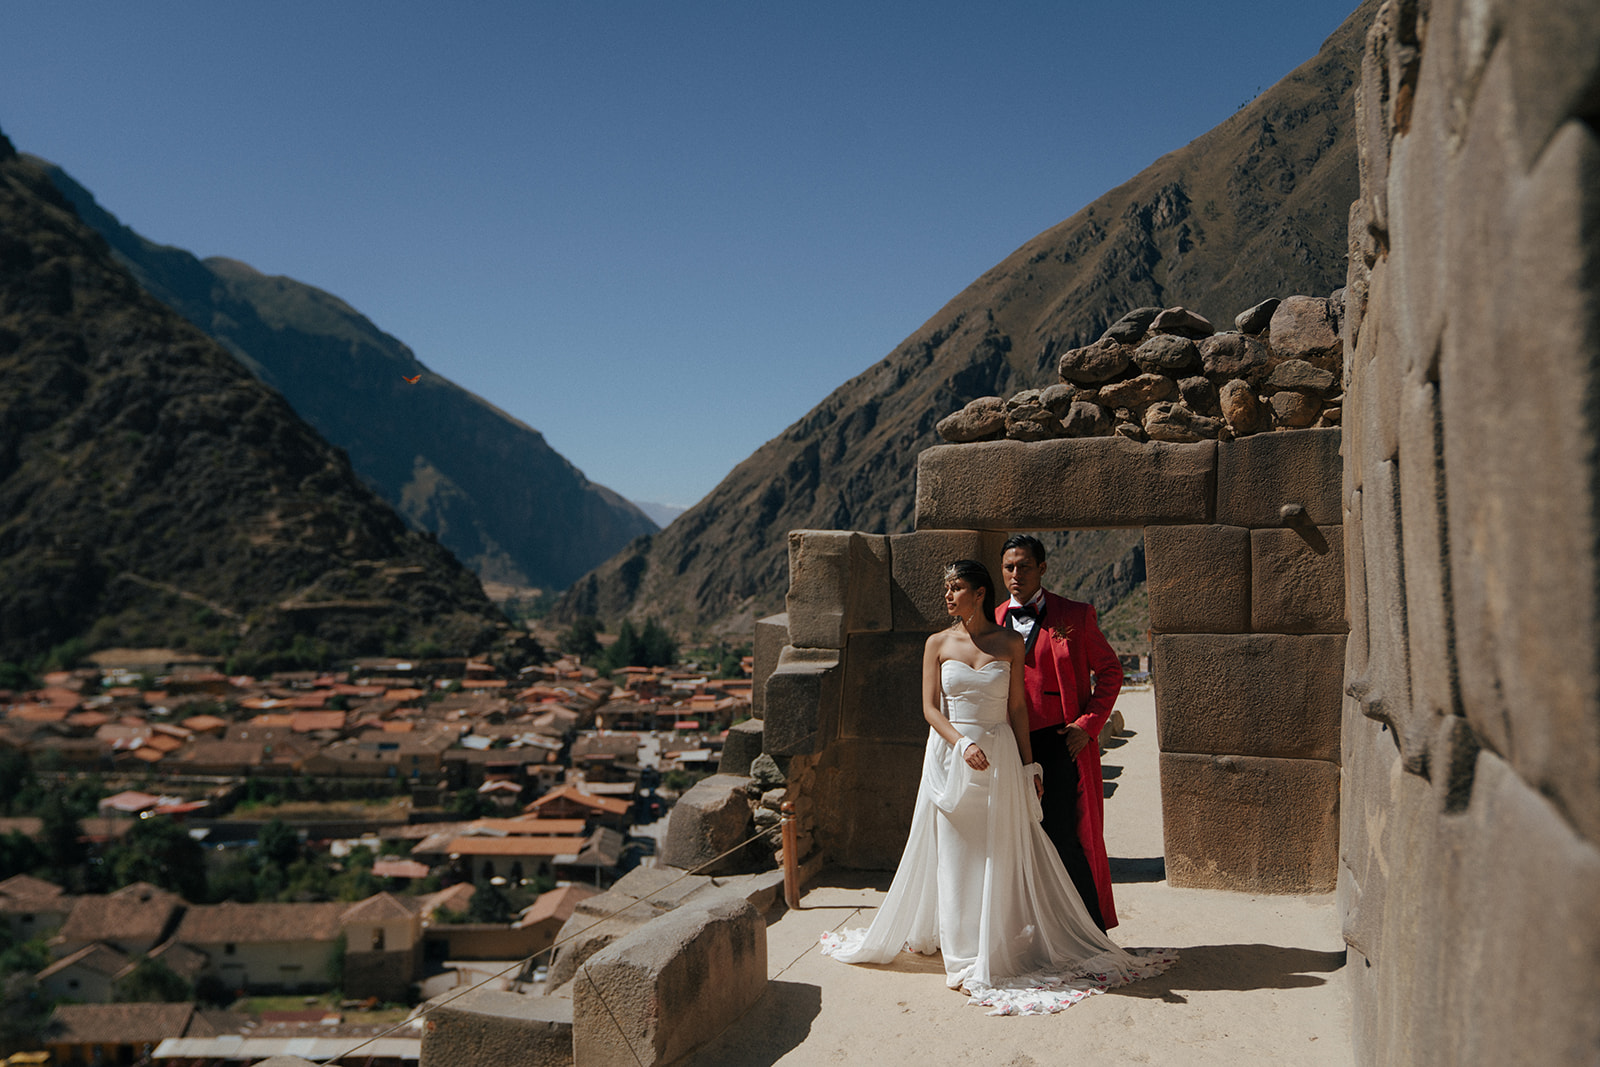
x: 557, y: 904
x: 515, y: 846
x: 117, y: 1024
x: 138, y: 912
x: 214, y: 924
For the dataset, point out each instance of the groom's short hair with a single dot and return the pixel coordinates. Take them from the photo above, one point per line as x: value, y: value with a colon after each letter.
x: 1032, y: 544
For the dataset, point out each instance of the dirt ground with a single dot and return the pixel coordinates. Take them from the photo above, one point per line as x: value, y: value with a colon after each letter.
x: 1260, y: 978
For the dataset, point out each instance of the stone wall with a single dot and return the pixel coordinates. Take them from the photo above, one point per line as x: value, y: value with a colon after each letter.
x: 842, y: 704
x: 1470, y: 868
x: 1244, y: 554
x: 1248, y: 613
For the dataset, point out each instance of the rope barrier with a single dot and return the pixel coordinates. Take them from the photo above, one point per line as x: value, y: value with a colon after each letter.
x: 428, y: 1008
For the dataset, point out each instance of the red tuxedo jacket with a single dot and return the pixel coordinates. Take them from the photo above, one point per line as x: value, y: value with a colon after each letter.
x: 1071, y: 676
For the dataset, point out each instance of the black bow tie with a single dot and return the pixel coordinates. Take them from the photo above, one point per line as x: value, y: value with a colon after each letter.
x: 1027, y: 609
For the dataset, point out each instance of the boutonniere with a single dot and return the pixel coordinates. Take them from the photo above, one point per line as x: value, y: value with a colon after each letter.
x: 1061, y: 631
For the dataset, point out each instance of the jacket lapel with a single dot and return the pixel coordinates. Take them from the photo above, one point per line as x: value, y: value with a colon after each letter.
x: 1038, y: 625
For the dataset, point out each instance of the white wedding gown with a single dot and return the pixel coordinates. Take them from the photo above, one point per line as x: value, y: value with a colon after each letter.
x: 980, y: 880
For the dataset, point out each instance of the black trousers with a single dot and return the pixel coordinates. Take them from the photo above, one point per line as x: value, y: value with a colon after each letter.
x: 1061, y: 813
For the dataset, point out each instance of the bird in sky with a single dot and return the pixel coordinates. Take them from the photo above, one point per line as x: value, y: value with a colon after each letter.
x: 411, y: 378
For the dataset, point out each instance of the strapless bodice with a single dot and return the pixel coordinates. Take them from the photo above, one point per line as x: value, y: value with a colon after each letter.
x: 975, y: 694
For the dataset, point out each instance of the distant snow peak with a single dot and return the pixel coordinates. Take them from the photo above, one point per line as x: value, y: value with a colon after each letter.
x: 660, y: 514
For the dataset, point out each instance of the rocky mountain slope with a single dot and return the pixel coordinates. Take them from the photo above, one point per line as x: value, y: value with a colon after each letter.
x: 1255, y: 208
x: 153, y: 492
x: 496, y: 494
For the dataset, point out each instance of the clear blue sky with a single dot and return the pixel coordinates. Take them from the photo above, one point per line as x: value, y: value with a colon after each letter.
x: 657, y: 232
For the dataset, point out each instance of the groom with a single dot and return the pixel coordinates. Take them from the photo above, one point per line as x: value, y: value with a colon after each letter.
x: 1071, y: 678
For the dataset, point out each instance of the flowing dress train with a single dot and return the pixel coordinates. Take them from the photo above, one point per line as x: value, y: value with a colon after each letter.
x: 980, y: 881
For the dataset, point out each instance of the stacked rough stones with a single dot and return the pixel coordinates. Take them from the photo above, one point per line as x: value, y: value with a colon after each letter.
x: 1167, y: 375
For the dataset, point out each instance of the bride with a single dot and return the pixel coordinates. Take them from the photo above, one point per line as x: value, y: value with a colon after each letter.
x: 979, y: 879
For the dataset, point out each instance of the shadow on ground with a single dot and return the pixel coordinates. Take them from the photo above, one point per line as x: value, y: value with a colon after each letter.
x: 1138, y: 868
x: 777, y: 1025
x: 1206, y: 968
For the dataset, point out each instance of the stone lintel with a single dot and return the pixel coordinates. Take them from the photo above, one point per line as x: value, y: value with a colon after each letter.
x: 1071, y: 484
x: 1259, y: 475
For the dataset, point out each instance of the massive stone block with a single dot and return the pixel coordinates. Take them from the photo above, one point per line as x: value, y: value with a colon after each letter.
x: 740, y: 747
x: 1258, y: 475
x: 505, y: 1029
x: 1250, y: 824
x: 652, y: 997
x: 1198, y: 579
x: 1369, y: 760
x: 1274, y: 695
x: 1384, y: 691
x: 1524, y: 526
x: 838, y: 585
x: 1554, y: 55
x: 917, y: 563
x: 640, y: 896
x: 1079, y: 483
x: 772, y: 633
x: 802, y: 701
x: 1297, y: 580
x: 863, y: 793
x: 1505, y: 880
x: 882, y: 699
x: 1429, y: 626
x: 707, y: 821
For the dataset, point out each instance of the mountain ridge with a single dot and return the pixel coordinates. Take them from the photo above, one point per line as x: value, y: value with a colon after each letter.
x: 440, y: 454
x: 154, y: 493
x: 1254, y: 208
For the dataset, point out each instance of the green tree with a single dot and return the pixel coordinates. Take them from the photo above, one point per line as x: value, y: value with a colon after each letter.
x: 307, y: 879
x: 652, y: 646
x: 469, y: 804
x: 61, y: 841
x: 24, y: 1011
x: 624, y: 651
x: 356, y: 881
x: 580, y: 639
x: 657, y: 648
x: 489, y: 905
x: 279, y: 845
x: 16, y: 777
x: 151, y: 981
x: 15, y: 676
x: 234, y: 879
x: 160, y: 852
x: 29, y: 956
x: 18, y: 855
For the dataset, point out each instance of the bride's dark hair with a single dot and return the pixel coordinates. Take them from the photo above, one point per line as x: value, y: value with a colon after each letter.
x: 977, y: 575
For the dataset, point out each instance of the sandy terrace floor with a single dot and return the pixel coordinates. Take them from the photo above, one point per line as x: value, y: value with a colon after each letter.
x: 1261, y: 978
